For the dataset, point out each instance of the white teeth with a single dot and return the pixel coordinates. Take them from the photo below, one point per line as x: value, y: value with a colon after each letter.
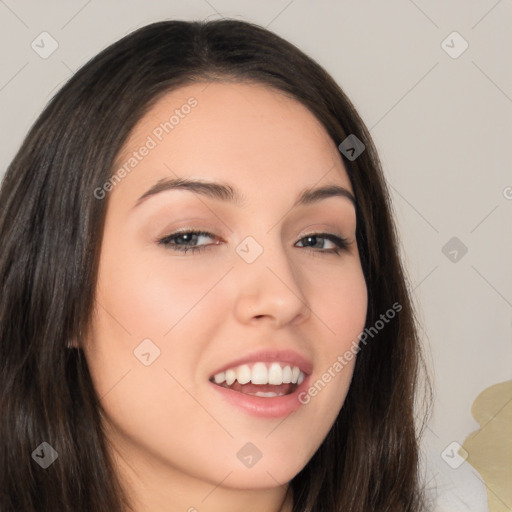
x: 287, y: 375
x: 261, y: 373
x: 220, y: 377
x: 266, y: 395
x: 230, y: 377
x: 275, y: 374
x: 243, y: 374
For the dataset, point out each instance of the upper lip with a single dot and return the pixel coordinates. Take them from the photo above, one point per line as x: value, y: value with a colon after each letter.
x: 284, y: 356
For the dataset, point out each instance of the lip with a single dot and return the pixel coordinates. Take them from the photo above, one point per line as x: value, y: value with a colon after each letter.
x: 262, y: 407
x: 267, y: 356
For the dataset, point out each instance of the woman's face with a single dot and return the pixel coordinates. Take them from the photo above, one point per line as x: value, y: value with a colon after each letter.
x: 266, y: 296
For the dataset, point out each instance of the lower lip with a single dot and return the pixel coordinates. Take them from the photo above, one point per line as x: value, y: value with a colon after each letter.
x: 273, y: 407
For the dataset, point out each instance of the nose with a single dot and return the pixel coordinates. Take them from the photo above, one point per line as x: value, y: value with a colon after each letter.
x: 269, y: 289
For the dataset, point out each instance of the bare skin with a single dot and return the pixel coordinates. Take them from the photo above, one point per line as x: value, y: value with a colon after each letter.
x: 174, y: 437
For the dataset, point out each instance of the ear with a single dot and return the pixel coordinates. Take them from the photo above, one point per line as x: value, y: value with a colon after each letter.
x: 72, y: 344
x: 75, y: 341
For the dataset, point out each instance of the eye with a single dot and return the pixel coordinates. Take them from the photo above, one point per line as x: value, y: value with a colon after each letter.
x: 315, y: 239
x: 185, y: 241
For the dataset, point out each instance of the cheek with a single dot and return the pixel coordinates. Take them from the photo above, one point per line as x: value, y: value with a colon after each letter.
x: 152, y: 302
x: 148, y: 305
x: 148, y: 293
x: 342, y: 303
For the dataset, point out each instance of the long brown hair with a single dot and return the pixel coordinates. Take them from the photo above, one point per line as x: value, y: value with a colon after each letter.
x: 51, y: 228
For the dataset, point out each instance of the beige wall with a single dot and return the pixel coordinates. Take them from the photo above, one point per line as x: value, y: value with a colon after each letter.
x: 442, y: 125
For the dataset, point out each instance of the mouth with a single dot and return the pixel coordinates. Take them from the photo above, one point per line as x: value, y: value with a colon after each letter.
x: 266, y: 384
x: 264, y: 380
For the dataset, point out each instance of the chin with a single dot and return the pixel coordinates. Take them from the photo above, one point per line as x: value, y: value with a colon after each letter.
x: 268, y: 477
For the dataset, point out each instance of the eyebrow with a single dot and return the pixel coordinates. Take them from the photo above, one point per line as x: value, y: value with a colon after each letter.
x: 225, y: 192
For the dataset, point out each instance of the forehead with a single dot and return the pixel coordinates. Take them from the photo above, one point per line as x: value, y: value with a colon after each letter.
x: 242, y: 133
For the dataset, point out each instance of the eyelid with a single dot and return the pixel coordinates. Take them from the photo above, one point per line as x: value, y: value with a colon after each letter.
x: 322, y: 231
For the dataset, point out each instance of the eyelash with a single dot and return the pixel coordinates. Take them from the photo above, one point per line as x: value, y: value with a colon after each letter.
x: 341, y: 243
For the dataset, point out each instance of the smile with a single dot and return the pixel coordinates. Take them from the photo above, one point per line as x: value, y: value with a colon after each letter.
x: 259, y: 374
x: 261, y: 388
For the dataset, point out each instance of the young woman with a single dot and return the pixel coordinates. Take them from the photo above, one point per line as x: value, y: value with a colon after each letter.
x: 203, y: 307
